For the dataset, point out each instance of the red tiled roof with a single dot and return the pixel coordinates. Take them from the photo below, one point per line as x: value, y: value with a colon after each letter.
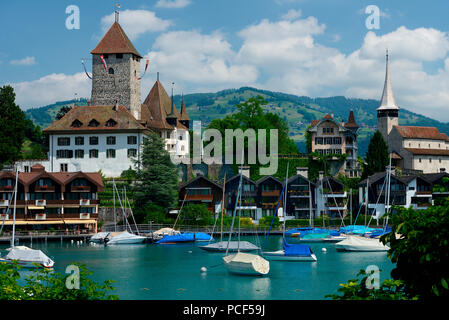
x: 156, y: 108
x: 85, y: 114
x: 115, y: 41
x: 421, y: 133
x: 314, y: 122
x: 429, y: 152
x: 351, y: 121
x: 328, y: 116
x: 184, y: 115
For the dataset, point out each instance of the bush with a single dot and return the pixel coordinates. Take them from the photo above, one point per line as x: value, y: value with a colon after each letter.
x: 266, y: 222
x: 195, y: 214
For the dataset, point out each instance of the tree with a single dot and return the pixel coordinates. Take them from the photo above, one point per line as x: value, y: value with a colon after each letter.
x: 377, y: 156
x: 61, y: 113
x: 12, y: 126
x: 420, y: 253
x: 157, y: 178
x: 195, y: 214
x: 45, y: 284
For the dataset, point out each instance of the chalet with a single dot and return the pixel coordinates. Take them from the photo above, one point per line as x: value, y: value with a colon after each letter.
x: 301, y: 198
x: 59, y: 200
x: 248, y: 204
x: 201, y: 190
x: 331, y: 197
x: 268, y: 192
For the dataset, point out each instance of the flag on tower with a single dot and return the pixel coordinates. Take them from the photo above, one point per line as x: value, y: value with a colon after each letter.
x: 104, y: 63
x: 146, y: 67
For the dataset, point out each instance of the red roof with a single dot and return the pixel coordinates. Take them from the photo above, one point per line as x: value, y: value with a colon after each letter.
x: 413, y: 132
x: 351, y: 121
x: 115, y: 41
x: 327, y: 116
x: 428, y: 152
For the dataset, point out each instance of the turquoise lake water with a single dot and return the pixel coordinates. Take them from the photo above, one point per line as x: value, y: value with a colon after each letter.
x: 150, y: 271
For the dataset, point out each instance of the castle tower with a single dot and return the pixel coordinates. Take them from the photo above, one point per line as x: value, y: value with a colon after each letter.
x: 120, y: 82
x: 185, y: 120
x: 388, y: 111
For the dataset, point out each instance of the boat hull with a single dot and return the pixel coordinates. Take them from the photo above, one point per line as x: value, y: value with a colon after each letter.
x: 360, y: 244
x: 280, y: 256
x: 29, y: 264
x: 246, y: 264
x: 127, y: 241
x: 327, y: 240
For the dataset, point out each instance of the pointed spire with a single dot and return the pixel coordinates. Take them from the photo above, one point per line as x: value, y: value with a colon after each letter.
x: 351, y: 121
x: 184, y: 115
x: 387, y: 101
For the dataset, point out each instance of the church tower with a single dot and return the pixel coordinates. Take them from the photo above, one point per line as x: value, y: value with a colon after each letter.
x: 116, y: 71
x: 388, y: 111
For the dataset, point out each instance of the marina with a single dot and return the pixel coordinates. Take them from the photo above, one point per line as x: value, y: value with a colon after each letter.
x: 150, y: 271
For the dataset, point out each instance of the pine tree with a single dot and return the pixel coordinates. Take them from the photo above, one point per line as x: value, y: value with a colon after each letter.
x: 377, y: 156
x: 12, y: 126
x: 157, y: 178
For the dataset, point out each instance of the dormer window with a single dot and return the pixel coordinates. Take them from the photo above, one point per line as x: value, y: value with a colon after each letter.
x: 94, y: 123
x: 76, y: 123
x: 111, y: 123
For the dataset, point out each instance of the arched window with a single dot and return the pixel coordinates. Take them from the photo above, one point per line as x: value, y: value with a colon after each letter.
x: 111, y: 71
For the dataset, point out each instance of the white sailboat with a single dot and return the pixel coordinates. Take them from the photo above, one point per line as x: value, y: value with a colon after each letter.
x: 244, y: 263
x: 124, y: 237
x: 365, y: 244
x: 232, y: 246
x: 289, y: 252
x: 24, y: 256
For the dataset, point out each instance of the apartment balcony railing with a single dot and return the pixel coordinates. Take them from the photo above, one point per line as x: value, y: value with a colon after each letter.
x: 44, y: 188
x: 4, y: 203
x: 271, y: 193
x: 7, y: 188
x: 199, y: 197
x: 80, y: 189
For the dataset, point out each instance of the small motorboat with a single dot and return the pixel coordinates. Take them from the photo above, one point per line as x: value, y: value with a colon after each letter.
x: 125, y: 238
x: 361, y: 244
x: 27, y: 257
x: 291, y: 252
x: 99, y: 237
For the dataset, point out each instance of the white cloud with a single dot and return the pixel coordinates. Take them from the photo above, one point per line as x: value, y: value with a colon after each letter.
x: 198, y: 61
x: 51, y: 88
x: 136, y: 22
x: 28, y: 61
x: 292, y: 14
x: 173, y: 3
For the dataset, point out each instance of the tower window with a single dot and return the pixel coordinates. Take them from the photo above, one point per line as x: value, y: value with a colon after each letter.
x: 111, y: 71
x: 119, y: 55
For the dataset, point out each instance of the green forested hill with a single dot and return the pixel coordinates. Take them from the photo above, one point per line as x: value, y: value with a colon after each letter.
x: 298, y: 111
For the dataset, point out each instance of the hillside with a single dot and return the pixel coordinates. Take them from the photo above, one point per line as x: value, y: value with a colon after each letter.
x: 297, y: 111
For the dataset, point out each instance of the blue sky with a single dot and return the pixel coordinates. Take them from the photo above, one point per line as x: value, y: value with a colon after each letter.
x: 303, y: 47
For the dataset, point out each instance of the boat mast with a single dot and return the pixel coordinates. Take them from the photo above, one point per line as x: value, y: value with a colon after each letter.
x: 222, y: 207
x: 285, y: 202
x: 115, y: 215
x: 14, y: 209
x: 310, y: 206
x: 388, y: 190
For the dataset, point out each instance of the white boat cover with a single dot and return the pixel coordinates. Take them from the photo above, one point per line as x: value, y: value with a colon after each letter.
x: 99, y: 236
x: 165, y: 231
x: 246, y: 263
x: 233, y: 246
x: 124, y: 236
x: 26, y: 254
x: 357, y: 243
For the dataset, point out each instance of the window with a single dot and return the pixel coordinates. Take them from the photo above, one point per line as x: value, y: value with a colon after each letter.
x: 105, y: 56
x: 430, y: 160
x: 93, y: 123
x: 182, y: 148
x: 93, y: 140
x: 27, y: 168
x: 111, y: 123
x: 111, y: 71
x: 439, y: 160
x: 132, y: 153
x: 110, y: 140
x: 337, y: 140
x: 119, y: 55
x: 132, y: 140
x: 318, y: 140
x: 419, y: 160
x: 63, y: 141
x: 76, y: 123
x: 79, y: 153
x: 64, y: 167
x: 79, y: 141
x: 110, y: 153
x: 64, y: 154
x: 93, y: 153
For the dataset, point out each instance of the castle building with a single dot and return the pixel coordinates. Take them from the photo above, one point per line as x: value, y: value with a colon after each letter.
x: 413, y: 148
x: 107, y: 135
x: 329, y: 137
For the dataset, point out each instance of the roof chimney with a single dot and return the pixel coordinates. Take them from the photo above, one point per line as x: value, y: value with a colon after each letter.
x: 244, y: 170
x: 304, y: 171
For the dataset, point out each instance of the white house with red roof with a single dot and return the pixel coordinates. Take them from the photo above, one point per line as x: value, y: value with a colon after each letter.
x: 413, y: 148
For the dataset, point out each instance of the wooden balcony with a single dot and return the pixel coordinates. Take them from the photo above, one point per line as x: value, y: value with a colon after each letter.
x: 44, y: 188
x: 4, y: 203
x: 6, y: 188
x: 80, y: 189
x: 272, y: 193
x: 200, y: 197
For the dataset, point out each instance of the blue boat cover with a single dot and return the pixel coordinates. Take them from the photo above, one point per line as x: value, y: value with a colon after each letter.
x: 357, y: 229
x: 183, y: 237
x: 380, y: 232
x: 293, y: 249
x: 296, y: 230
x: 304, y: 231
x: 202, y: 236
